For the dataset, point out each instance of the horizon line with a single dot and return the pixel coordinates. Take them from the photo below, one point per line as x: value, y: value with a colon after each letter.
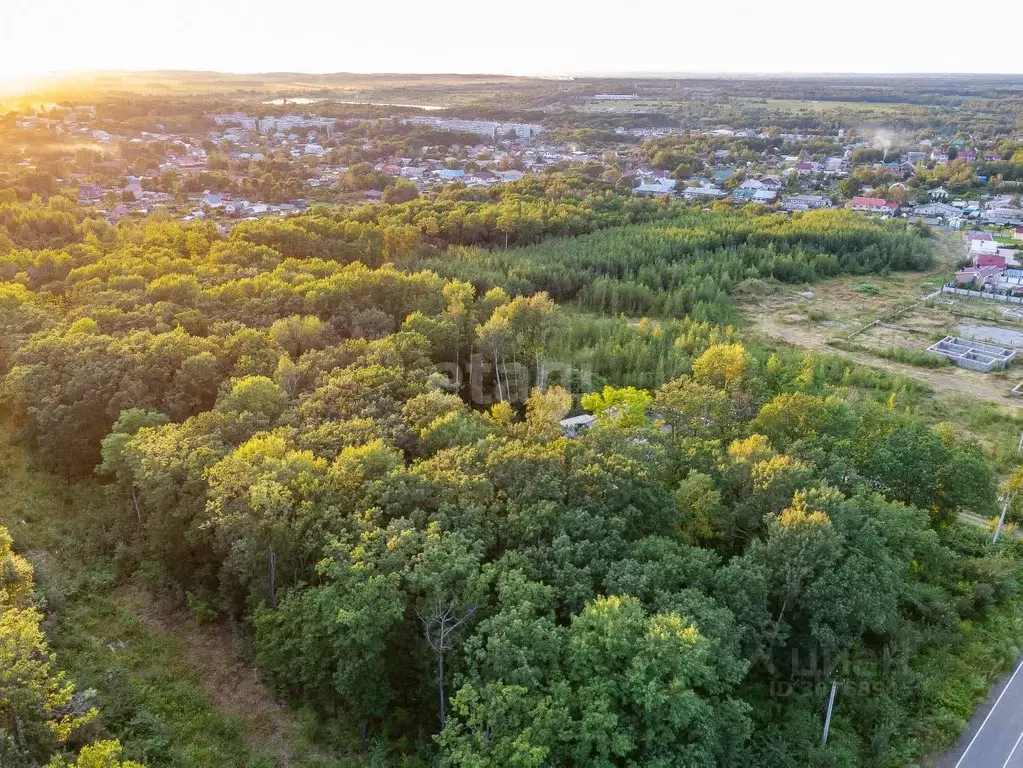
x: 610, y: 74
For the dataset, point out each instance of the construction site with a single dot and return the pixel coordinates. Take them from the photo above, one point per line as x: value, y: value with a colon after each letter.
x: 975, y: 355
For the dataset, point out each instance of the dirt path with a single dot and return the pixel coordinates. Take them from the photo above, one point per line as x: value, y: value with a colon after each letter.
x: 47, y: 518
x: 944, y: 381
x: 232, y: 684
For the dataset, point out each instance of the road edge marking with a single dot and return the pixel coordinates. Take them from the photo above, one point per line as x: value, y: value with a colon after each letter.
x: 1018, y: 739
x: 990, y: 712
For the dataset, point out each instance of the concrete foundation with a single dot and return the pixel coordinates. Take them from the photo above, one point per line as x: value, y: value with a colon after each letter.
x: 975, y: 355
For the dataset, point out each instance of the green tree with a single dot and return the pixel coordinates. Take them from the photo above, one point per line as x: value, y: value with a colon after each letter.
x: 37, y: 712
x: 620, y: 407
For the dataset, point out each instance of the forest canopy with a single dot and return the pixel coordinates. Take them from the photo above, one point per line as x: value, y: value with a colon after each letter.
x: 342, y: 432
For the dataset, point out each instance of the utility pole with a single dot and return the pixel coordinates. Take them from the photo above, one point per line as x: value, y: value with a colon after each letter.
x: 1001, y: 521
x: 827, y: 719
x: 1005, y: 507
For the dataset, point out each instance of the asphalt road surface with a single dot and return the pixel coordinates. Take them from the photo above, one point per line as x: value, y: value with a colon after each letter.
x: 994, y: 738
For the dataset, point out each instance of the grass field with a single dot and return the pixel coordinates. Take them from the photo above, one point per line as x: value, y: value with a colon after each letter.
x: 862, y: 107
x: 977, y: 403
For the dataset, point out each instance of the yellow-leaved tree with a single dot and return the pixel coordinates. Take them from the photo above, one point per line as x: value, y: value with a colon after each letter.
x: 37, y: 708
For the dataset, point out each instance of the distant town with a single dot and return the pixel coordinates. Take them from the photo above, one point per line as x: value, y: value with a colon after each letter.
x: 219, y: 169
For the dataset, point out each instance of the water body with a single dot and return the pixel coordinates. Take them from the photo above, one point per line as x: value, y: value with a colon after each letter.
x: 302, y: 100
x: 298, y: 100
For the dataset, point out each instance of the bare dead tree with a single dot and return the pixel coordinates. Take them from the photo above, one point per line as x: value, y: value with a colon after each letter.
x: 272, y: 577
x: 135, y: 501
x: 441, y: 623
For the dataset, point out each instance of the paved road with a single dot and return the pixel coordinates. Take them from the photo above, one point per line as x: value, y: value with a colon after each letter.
x: 994, y: 738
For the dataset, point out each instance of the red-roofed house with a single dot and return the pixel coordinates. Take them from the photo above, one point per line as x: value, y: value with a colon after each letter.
x: 977, y: 275
x: 968, y: 155
x: 992, y: 157
x: 989, y: 260
x: 1018, y: 234
x: 873, y: 205
x: 973, y: 235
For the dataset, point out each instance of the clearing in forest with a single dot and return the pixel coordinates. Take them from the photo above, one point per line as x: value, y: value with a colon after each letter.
x: 835, y: 316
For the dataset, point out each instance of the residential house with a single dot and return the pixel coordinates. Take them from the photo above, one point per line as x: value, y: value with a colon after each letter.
x: 1003, y: 216
x: 481, y: 178
x: 833, y: 164
x: 449, y: 174
x: 655, y: 186
x: 978, y: 276
x: 873, y: 205
x: 693, y: 193
x: 805, y: 202
x: 999, y: 201
x: 938, y: 194
x: 1018, y: 233
x: 88, y: 193
x: 989, y: 260
x: 980, y: 248
x: 968, y: 155
x: 939, y: 210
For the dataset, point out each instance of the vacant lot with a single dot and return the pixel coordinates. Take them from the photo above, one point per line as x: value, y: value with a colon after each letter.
x: 835, y: 320
x: 862, y: 107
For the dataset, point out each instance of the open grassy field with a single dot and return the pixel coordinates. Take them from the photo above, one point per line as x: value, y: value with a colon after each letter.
x: 639, y: 105
x: 979, y: 403
x: 862, y: 107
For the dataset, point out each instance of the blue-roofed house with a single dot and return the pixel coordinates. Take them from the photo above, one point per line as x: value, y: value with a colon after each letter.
x: 449, y: 174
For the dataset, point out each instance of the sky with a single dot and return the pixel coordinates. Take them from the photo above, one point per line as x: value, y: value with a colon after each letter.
x: 520, y: 37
